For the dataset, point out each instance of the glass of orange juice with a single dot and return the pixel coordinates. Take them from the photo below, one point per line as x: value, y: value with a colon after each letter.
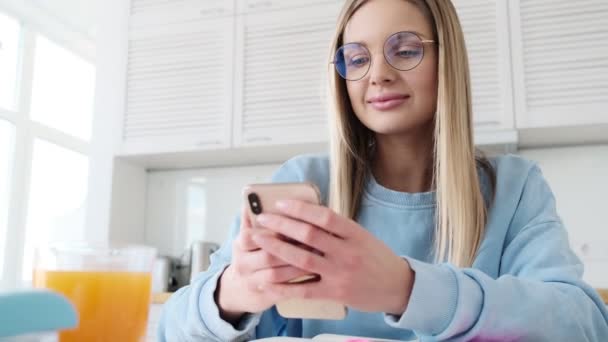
x: 108, y: 285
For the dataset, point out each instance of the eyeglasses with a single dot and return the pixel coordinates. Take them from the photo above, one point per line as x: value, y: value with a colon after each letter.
x: 403, y: 51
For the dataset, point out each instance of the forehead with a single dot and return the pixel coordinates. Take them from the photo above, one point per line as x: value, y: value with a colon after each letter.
x: 373, y: 22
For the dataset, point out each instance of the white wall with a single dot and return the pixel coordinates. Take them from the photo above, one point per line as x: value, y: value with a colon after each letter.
x: 190, y: 205
x: 109, y: 104
x: 577, y: 176
x: 128, y: 207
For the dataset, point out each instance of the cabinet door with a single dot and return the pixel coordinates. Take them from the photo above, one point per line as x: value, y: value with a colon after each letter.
x: 179, y: 87
x: 485, y: 26
x: 144, y: 13
x: 560, y: 62
x: 281, y: 67
x: 259, y: 6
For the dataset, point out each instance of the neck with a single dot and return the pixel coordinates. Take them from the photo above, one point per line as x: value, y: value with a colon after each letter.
x: 404, y: 163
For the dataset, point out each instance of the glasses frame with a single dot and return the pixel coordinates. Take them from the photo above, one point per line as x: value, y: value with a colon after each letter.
x: 423, y: 41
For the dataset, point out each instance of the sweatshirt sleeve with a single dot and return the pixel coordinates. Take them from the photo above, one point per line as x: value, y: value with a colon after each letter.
x: 538, y: 296
x: 191, y: 314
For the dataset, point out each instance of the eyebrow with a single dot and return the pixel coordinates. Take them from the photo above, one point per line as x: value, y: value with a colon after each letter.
x: 421, y: 35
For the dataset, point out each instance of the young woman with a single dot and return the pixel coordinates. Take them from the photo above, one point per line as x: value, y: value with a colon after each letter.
x: 429, y: 240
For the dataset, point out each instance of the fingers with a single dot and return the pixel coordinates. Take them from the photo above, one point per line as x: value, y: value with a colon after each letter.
x: 292, y: 255
x: 317, y: 215
x: 259, y: 260
x: 302, y: 232
x: 276, y: 275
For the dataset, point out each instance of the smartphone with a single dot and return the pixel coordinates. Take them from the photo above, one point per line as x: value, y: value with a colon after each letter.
x: 261, y: 198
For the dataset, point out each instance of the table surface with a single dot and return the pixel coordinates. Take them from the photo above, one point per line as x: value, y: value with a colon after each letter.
x: 604, y: 294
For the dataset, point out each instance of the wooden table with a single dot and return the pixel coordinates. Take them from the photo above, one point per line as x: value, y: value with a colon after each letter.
x: 161, y: 298
x: 604, y: 294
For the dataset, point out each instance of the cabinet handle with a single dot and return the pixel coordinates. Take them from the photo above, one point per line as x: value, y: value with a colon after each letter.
x: 259, y: 139
x: 260, y: 4
x: 208, y: 142
x: 212, y: 11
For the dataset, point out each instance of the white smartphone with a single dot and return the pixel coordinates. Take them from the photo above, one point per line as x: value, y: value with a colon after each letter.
x: 262, y: 198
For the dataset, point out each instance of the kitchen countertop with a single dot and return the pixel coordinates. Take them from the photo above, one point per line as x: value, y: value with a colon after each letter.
x: 604, y: 294
x: 161, y: 298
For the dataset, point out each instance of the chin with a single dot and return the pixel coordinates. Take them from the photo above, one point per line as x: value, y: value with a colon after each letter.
x: 395, y: 125
x: 392, y: 130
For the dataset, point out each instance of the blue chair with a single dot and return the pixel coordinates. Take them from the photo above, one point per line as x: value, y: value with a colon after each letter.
x: 35, y: 311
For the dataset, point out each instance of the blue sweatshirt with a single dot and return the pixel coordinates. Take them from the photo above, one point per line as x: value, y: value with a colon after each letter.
x: 525, y: 283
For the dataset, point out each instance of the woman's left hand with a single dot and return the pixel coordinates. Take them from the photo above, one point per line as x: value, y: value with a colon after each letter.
x: 356, y: 268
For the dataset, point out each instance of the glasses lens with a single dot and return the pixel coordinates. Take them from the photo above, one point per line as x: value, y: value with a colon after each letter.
x: 352, y: 61
x: 404, y: 50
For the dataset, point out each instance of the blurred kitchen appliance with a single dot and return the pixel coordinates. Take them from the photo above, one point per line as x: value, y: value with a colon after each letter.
x: 171, y: 273
x: 200, y: 257
x: 161, y: 274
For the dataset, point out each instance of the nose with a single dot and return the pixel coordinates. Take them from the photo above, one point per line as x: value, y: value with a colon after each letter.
x: 380, y: 71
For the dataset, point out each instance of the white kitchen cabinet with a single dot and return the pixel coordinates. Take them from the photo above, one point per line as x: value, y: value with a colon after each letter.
x: 280, y: 74
x: 485, y: 26
x: 143, y: 13
x: 560, y: 55
x: 219, y: 82
x: 264, y: 6
x: 178, y: 77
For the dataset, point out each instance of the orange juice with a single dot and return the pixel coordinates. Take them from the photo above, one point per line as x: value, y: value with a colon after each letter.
x: 112, y: 306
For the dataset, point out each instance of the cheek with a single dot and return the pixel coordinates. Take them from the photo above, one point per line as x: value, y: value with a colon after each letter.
x: 356, y: 93
x: 426, y: 86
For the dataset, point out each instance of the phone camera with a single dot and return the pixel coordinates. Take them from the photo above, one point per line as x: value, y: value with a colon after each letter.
x: 254, y: 203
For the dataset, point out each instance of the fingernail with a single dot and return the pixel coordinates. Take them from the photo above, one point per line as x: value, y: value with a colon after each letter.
x: 282, y: 204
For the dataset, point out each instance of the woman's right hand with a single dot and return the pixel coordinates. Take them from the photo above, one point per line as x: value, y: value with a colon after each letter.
x: 241, y: 286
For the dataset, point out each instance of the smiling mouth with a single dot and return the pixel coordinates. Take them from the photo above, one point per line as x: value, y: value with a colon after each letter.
x: 388, y: 103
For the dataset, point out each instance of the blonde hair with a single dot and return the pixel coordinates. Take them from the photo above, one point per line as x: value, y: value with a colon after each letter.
x: 461, y: 211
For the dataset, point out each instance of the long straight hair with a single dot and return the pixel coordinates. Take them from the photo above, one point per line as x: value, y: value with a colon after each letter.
x: 461, y: 211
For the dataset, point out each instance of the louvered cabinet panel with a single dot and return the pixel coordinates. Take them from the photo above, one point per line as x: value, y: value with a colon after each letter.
x: 142, y: 6
x: 561, y: 62
x: 179, y: 86
x: 144, y: 13
x: 259, y: 6
x: 485, y: 27
x: 282, y: 64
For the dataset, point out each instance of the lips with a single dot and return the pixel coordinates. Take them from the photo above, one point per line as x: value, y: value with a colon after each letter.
x: 387, y: 101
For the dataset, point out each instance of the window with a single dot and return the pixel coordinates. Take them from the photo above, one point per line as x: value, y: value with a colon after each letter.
x: 63, y: 89
x: 56, y: 200
x: 196, y: 209
x: 43, y: 145
x: 7, y: 139
x: 9, y: 47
